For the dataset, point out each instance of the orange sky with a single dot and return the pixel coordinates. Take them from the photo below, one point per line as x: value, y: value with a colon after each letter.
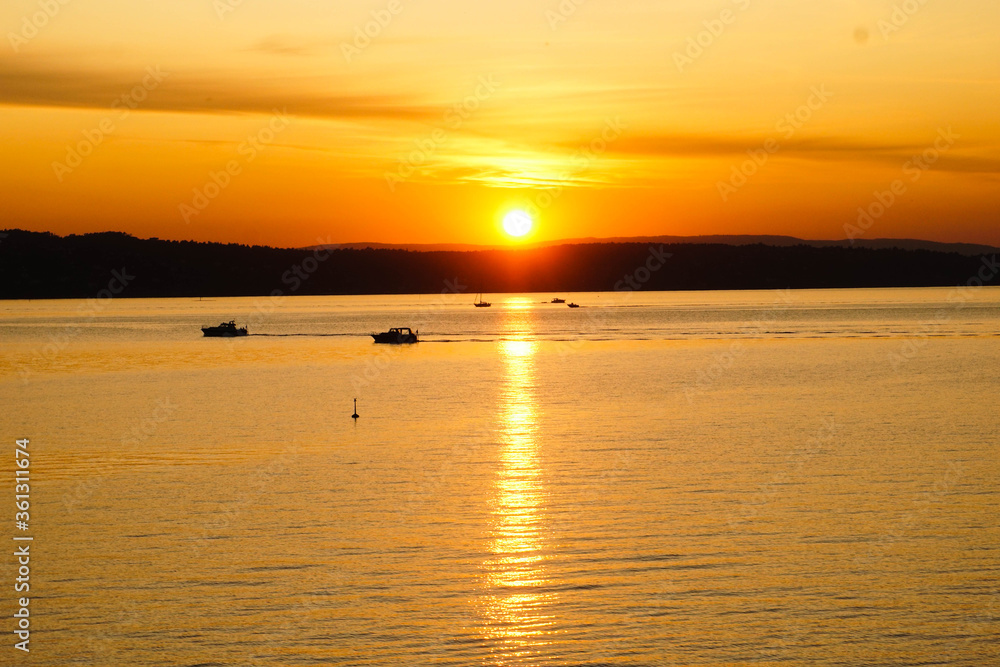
x: 261, y: 121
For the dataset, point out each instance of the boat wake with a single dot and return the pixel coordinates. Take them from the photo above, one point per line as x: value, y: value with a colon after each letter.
x: 311, y: 335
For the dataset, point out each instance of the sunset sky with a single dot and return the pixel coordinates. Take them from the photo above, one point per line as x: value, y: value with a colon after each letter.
x: 601, y: 118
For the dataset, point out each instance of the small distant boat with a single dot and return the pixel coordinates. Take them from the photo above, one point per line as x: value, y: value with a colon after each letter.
x: 224, y: 330
x: 396, y: 336
x: 558, y: 300
x: 479, y: 303
x: 573, y: 305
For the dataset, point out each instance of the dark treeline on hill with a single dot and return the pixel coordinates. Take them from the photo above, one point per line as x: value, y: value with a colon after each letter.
x: 41, y: 265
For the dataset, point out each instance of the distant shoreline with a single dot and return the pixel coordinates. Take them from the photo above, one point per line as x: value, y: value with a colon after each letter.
x: 38, y: 265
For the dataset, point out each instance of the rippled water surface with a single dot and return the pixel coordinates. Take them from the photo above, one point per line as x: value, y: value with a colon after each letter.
x: 729, y: 478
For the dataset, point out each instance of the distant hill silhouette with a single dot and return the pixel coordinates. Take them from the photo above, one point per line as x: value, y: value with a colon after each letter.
x: 42, y: 265
x: 781, y: 241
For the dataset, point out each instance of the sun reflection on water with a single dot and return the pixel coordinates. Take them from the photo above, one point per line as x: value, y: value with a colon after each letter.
x: 521, y: 303
x: 516, y: 586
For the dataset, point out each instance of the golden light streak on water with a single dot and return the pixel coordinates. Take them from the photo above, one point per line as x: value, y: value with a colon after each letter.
x: 519, y: 302
x: 515, y: 580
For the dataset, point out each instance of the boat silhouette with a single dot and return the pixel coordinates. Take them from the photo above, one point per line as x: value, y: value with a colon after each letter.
x: 224, y: 330
x: 396, y: 336
x: 479, y: 303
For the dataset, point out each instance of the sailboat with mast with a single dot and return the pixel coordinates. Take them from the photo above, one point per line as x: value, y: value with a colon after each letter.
x: 479, y: 303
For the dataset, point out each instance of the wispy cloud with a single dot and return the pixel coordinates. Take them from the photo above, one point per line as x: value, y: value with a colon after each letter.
x: 283, y: 46
x: 97, y: 89
x: 810, y: 148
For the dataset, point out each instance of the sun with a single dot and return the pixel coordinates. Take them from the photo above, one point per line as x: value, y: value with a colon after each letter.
x: 517, y: 223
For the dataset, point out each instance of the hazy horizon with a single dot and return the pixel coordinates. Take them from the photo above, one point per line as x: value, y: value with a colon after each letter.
x: 534, y: 244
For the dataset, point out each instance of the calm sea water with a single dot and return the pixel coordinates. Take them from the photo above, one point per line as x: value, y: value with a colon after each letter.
x: 729, y: 478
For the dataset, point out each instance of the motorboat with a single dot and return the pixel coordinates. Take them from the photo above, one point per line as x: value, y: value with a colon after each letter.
x: 225, y: 330
x: 396, y: 336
